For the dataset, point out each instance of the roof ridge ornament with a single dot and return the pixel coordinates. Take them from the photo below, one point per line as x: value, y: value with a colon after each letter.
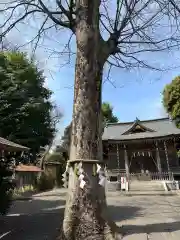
x: 137, y: 120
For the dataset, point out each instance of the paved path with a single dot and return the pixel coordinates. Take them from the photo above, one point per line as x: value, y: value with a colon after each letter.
x: 145, y: 216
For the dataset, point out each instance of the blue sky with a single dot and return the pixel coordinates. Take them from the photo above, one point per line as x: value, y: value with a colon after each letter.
x: 134, y: 96
x: 137, y: 93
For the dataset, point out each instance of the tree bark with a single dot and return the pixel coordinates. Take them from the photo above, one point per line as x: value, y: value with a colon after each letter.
x: 85, y: 214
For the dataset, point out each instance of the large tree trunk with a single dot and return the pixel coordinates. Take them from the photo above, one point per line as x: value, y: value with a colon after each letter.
x: 85, y: 213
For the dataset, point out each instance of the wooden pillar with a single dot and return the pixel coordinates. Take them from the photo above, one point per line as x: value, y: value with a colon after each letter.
x: 177, y: 159
x: 126, y: 160
x: 108, y: 157
x: 158, y: 158
x: 167, y: 158
x: 118, y: 160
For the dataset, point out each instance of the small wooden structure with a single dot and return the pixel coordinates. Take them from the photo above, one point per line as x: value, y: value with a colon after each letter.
x: 6, y: 148
x: 26, y: 175
x: 142, y: 149
x: 51, y: 168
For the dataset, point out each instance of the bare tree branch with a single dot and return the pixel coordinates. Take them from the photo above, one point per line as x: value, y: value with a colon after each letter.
x: 175, y: 5
x: 129, y: 28
x: 136, y: 30
x: 29, y: 7
x: 65, y: 24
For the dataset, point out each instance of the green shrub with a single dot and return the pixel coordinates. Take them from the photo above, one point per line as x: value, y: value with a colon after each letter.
x: 45, y: 182
x: 27, y: 189
x: 178, y: 153
x: 60, y: 171
x: 6, y: 187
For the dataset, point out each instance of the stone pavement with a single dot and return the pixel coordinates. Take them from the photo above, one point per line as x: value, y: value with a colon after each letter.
x: 147, y: 216
x: 144, y: 216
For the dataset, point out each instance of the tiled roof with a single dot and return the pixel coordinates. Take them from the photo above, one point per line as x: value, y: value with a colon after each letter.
x: 161, y: 128
x: 27, y: 168
x: 11, y: 146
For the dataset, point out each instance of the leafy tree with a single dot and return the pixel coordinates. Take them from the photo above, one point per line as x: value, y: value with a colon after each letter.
x: 55, y: 154
x: 6, y: 185
x: 66, y: 138
x: 111, y: 32
x: 107, y: 116
x: 171, y: 99
x: 107, y: 113
x: 27, y: 114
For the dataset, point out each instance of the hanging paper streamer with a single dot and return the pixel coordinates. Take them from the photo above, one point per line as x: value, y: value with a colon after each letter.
x: 98, y: 168
x: 101, y: 173
x: 67, y: 167
x: 65, y: 176
x: 80, y: 169
x: 65, y: 179
x: 102, y: 180
x: 81, y: 175
x: 82, y: 184
x: 80, y: 165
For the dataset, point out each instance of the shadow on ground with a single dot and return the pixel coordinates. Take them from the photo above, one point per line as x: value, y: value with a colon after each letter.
x: 131, y: 194
x: 35, y: 220
x: 32, y: 206
x: 41, y: 219
x: 149, y: 194
x: 120, y: 213
x: 151, y: 228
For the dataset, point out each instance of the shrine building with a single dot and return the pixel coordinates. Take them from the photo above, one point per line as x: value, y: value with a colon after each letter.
x: 141, y: 148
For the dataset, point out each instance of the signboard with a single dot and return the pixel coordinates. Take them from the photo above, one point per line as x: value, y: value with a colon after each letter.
x: 124, y: 183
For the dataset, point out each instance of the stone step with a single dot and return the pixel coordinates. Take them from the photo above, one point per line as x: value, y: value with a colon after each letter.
x: 146, y: 186
x: 137, y: 186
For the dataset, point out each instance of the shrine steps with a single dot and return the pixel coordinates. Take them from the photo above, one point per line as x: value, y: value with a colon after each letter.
x: 138, y: 186
x: 152, y: 186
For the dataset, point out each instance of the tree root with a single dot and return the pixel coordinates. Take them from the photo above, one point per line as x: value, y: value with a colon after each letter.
x: 107, y: 234
x: 112, y: 231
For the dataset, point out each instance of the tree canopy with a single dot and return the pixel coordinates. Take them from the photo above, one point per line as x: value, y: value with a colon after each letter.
x: 111, y: 33
x: 171, y: 99
x: 6, y: 186
x: 27, y: 114
x: 107, y: 113
x: 107, y: 117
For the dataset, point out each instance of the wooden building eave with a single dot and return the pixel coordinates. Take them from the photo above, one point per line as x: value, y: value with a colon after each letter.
x: 152, y: 139
x: 11, y: 146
